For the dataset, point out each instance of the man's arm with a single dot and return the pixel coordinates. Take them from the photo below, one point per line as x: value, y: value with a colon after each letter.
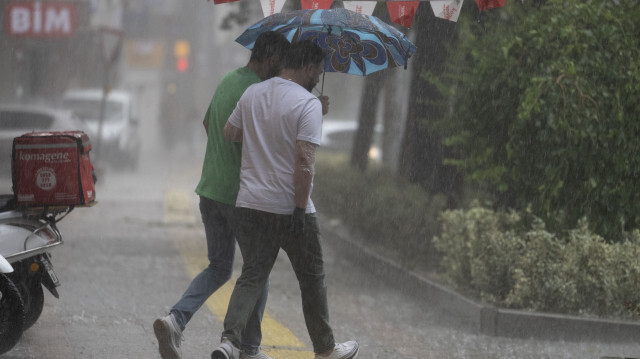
x: 303, y: 172
x: 231, y: 133
x: 325, y: 104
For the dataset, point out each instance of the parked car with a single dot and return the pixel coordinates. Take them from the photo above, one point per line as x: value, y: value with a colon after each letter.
x: 18, y: 119
x: 120, y: 139
x: 338, y: 137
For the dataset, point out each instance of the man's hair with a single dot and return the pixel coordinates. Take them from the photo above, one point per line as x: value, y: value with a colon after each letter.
x: 268, y: 44
x: 303, y: 53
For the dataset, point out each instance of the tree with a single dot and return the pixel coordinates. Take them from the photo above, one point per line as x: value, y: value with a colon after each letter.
x: 545, y: 111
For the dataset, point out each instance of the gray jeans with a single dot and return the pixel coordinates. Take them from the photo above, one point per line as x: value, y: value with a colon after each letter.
x: 221, y: 247
x: 260, y: 236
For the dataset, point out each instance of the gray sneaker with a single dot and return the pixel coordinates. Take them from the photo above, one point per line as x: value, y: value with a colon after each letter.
x: 226, y: 350
x: 169, y: 337
x: 347, y: 350
x: 259, y: 355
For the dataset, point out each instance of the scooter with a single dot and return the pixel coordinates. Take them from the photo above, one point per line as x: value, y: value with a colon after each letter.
x: 11, y: 309
x: 27, y: 236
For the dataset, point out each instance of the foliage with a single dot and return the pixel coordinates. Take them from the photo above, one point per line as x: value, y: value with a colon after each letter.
x: 506, y: 258
x: 385, y: 210
x: 499, y: 257
x: 545, y: 111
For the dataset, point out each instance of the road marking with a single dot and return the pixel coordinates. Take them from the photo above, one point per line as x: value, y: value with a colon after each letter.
x: 177, y: 207
x: 277, y: 340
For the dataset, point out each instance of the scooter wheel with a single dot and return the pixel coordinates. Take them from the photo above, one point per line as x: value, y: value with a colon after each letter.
x: 34, y: 304
x: 11, y: 314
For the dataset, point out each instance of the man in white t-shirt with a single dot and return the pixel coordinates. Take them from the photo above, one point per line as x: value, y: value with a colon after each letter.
x: 279, y: 123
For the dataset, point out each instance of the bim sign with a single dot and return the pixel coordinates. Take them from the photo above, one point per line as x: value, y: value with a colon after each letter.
x: 40, y: 19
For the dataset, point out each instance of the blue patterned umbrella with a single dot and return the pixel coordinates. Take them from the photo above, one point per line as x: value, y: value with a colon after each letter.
x: 355, y: 43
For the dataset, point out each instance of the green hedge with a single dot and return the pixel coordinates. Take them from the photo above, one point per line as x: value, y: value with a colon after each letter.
x: 385, y: 211
x: 503, y: 258
x: 493, y: 256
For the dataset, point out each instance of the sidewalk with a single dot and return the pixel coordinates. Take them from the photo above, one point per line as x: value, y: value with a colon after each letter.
x: 481, y: 319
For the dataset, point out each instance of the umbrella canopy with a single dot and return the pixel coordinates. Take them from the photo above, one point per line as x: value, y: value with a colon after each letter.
x: 355, y: 43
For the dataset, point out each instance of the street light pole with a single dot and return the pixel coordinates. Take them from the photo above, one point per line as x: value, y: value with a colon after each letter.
x: 111, y: 42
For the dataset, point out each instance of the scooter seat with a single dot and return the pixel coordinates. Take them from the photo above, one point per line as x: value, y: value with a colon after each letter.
x: 7, y: 202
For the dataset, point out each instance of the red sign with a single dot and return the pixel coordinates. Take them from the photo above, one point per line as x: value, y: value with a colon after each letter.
x: 316, y: 4
x: 402, y: 12
x: 489, y: 4
x: 40, y: 19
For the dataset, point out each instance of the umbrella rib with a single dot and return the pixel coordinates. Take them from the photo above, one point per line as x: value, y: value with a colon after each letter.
x: 364, y: 67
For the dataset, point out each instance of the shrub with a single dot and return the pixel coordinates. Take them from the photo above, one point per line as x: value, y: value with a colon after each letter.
x: 490, y: 255
x: 539, y: 283
x: 384, y: 209
x: 504, y: 258
x: 478, y: 246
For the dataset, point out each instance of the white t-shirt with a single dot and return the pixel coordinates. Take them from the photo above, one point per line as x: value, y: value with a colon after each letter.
x: 273, y: 114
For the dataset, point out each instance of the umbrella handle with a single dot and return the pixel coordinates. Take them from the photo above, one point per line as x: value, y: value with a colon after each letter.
x: 322, y: 87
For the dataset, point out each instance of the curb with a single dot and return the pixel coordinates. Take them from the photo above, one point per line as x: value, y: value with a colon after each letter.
x: 482, y: 319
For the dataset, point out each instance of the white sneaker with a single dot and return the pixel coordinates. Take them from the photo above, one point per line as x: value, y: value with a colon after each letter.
x: 226, y: 350
x: 169, y: 337
x: 347, y: 350
x: 259, y: 355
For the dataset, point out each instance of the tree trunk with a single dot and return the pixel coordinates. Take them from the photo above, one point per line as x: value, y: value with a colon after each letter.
x: 396, y: 98
x: 367, y: 120
x: 422, y: 152
x: 369, y: 107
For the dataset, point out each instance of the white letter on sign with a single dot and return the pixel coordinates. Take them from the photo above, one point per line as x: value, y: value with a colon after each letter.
x: 20, y: 20
x: 58, y: 21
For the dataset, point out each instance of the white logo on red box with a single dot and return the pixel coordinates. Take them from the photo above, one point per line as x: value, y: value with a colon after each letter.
x: 55, y: 157
x: 46, y: 178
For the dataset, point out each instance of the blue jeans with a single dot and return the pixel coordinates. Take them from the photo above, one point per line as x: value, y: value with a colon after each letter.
x: 260, y: 236
x: 221, y: 243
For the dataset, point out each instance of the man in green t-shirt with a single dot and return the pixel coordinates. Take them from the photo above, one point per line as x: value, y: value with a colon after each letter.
x: 218, y: 189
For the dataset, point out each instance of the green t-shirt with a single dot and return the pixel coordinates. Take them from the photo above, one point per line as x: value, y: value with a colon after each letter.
x: 220, y: 178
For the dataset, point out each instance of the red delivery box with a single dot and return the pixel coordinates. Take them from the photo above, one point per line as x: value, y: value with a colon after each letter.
x: 52, y: 168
